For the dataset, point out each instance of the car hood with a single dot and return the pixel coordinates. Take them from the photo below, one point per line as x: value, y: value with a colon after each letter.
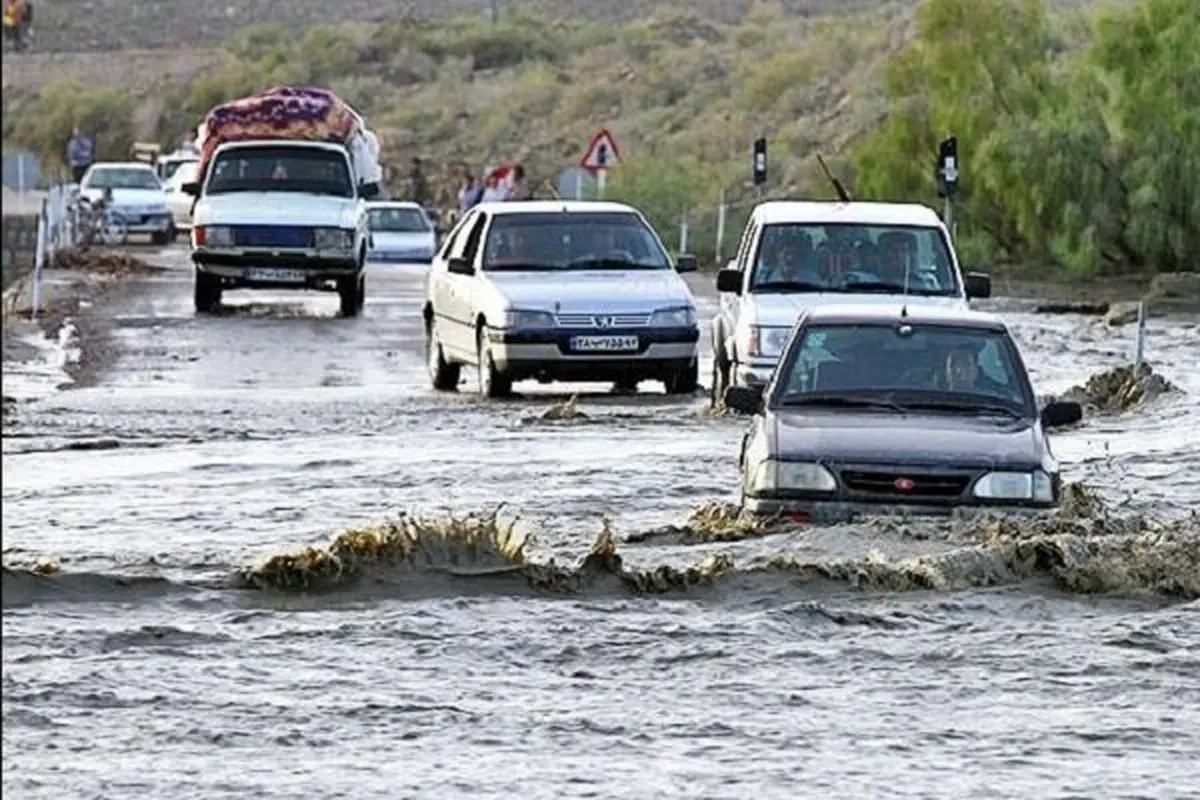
x: 390, y: 240
x: 913, y: 439
x: 589, y: 291
x: 276, y: 208
x: 123, y: 198
x: 781, y: 310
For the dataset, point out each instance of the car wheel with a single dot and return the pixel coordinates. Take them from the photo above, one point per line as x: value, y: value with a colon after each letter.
x: 443, y: 375
x: 492, y: 383
x: 351, y: 293
x: 684, y: 380
x: 206, y: 292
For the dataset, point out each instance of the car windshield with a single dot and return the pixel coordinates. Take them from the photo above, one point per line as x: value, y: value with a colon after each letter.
x: 399, y: 220
x: 169, y: 168
x: 571, y: 241
x: 910, y: 366
x: 310, y: 170
x: 123, y: 178
x: 849, y: 258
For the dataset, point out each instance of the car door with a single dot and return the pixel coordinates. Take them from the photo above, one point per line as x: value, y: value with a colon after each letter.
x: 437, y: 284
x: 180, y: 204
x: 734, y: 304
x: 458, y: 307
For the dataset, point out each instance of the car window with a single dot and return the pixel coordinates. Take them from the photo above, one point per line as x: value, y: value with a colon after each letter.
x: 391, y: 219
x: 471, y: 243
x: 281, y: 169
x: 185, y: 174
x: 848, y: 258
x: 123, y: 178
x: 906, y: 361
x: 573, y: 241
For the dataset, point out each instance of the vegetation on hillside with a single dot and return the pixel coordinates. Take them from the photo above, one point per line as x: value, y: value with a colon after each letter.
x: 1079, y: 135
x: 1087, y: 157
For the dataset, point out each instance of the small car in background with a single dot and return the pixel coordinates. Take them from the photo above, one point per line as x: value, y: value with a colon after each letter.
x: 401, y: 233
x: 916, y: 409
x: 559, y: 291
x: 179, y: 202
x: 137, y: 196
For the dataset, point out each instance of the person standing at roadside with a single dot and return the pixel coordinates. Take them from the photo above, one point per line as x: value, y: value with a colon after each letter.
x: 81, y: 151
x: 519, y: 189
x: 470, y: 192
x: 418, y: 186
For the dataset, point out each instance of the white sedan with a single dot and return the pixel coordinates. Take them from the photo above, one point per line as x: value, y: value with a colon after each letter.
x: 400, y: 233
x: 137, y: 196
x: 179, y: 202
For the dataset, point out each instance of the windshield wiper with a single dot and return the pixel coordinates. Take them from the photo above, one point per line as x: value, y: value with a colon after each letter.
x: 967, y: 406
x: 607, y: 263
x: 789, y: 286
x: 887, y: 286
x: 843, y: 401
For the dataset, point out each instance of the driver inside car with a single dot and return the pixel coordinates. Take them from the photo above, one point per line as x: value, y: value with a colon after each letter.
x: 962, y: 374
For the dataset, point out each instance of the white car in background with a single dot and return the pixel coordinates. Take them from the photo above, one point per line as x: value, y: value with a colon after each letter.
x: 401, y: 232
x: 797, y: 255
x: 179, y: 202
x: 137, y: 197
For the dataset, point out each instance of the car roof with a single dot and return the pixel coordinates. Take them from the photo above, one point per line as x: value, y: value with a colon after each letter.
x: 863, y: 213
x: 394, y: 204
x: 237, y: 145
x: 895, y: 314
x: 555, y: 207
x: 123, y: 165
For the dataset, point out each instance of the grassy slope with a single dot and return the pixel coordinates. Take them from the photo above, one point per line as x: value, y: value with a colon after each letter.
x: 685, y: 86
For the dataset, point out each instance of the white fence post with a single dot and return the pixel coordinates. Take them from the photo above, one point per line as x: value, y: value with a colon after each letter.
x: 721, y: 212
x: 683, y: 233
x: 1140, y: 342
x: 39, y: 261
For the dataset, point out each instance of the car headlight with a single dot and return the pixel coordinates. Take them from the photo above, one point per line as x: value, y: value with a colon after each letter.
x: 217, y: 236
x: 528, y: 319
x: 799, y: 476
x: 767, y: 342
x: 333, y: 239
x: 683, y: 317
x: 1036, y: 486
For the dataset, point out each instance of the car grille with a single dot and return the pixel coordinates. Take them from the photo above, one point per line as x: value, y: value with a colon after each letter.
x: 272, y: 236
x: 893, y: 483
x: 603, y: 320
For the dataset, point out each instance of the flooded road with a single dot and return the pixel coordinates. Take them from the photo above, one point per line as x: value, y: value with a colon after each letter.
x: 876, y: 660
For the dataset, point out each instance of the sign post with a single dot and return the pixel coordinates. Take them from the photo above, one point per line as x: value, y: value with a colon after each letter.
x: 602, y: 155
x: 759, y: 165
x: 947, y: 173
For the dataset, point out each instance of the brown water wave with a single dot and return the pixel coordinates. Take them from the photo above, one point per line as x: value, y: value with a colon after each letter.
x: 1086, y: 548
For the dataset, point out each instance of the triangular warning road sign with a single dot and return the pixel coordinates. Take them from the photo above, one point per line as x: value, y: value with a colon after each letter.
x: 602, y: 152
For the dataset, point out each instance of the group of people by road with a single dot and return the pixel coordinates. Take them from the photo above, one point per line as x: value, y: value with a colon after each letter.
x: 463, y: 189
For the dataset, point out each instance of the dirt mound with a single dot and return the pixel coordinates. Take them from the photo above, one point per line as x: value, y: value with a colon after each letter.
x: 101, y: 262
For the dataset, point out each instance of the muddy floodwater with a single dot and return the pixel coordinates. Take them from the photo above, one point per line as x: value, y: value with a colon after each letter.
x: 678, y: 660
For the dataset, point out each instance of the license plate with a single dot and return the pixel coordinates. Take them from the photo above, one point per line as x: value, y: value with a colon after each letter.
x: 275, y: 275
x: 604, y: 344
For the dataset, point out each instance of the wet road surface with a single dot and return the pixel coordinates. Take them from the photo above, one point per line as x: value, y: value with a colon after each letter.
x: 878, y: 661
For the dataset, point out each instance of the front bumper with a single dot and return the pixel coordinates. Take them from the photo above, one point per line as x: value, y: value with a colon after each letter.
x: 835, y: 511
x: 145, y: 223
x: 755, y: 373
x: 547, y: 354
x: 277, y: 268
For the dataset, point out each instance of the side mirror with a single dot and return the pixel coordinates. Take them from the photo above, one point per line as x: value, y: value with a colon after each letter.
x: 1060, y: 413
x: 368, y: 191
x: 460, y: 266
x: 686, y: 263
x: 979, y: 286
x: 744, y: 399
x: 191, y: 188
x: 729, y: 280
